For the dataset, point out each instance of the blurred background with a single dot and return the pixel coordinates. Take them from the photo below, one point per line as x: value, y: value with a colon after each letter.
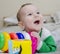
x: 10, y: 7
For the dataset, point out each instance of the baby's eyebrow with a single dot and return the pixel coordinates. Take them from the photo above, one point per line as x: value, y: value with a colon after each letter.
x: 28, y: 12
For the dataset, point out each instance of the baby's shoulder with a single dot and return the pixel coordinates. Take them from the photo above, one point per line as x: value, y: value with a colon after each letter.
x: 45, y: 30
x: 45, y: 33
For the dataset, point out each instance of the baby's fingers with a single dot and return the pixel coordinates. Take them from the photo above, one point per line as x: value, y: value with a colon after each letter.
x: 34, y: 34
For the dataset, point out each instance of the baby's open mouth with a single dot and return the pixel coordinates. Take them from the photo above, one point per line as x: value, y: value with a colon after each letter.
x: 37, y: 22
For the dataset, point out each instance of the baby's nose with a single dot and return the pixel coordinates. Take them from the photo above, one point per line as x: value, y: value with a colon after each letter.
x: 36, y: 15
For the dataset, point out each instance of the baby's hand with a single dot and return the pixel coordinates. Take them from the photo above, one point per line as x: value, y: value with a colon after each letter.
x: 35, y: 34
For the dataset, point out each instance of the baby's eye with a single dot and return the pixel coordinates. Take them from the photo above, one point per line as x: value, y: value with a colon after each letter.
x: 29, y: 14
x: 38, y: 12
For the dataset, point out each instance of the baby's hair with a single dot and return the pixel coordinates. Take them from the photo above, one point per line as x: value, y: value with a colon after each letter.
x: 18, y: 13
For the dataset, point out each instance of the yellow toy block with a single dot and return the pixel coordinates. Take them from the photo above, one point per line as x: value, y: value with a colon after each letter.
x: 20, y: 47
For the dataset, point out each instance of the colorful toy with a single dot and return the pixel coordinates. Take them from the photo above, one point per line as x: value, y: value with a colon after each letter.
x: 13, y: 36
x: 2, y: 41
x: 20, y: 47
x: 20, y: 36
x: 7, y: 38
x: 15, y: 42
x: 26, y: 35
x: 34, y: 43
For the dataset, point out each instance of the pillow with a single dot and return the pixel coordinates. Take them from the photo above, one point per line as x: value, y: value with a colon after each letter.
x: 56, y: 17
x: 10, y: 21
x: 47, y: 19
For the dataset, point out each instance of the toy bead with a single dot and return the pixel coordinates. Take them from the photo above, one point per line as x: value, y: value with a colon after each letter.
x: 20, y: 35
x: 26, y: 35
x: 2, y: 41
x: 13, y: 36
x: 7, y: 38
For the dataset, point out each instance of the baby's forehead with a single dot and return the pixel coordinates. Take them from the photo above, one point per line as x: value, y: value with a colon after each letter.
x: 28, y: 8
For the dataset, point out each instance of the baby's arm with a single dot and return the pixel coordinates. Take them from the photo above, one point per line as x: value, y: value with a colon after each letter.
x: 47, y: 44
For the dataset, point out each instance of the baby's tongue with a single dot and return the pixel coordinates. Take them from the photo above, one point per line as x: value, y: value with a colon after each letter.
x: 36, y: 22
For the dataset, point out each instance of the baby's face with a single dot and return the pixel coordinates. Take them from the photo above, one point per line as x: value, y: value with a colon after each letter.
x: 31, y: 18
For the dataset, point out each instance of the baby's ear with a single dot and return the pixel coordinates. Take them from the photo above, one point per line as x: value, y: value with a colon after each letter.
x: 21, y: 24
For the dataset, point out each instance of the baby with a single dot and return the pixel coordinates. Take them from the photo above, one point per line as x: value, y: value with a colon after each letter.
x: 31, y: 20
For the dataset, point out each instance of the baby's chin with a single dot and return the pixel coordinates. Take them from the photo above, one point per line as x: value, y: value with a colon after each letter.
x: 36, y: 30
